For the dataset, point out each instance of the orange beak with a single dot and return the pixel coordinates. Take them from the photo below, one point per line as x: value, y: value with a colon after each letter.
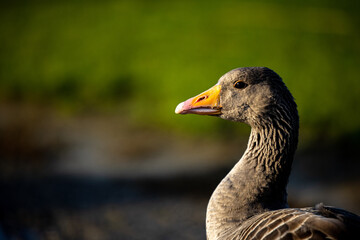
x: 206, y: 103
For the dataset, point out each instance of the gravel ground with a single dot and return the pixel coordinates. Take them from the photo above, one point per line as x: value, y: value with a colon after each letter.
x: 73, y: 208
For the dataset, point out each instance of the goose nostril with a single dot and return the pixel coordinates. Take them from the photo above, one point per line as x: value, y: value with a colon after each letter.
x: 201, y: 98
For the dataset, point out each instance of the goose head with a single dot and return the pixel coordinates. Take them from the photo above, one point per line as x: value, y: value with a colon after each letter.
x: 252, y: 95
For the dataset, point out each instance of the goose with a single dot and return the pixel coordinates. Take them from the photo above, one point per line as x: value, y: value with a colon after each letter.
x: 251, y: 201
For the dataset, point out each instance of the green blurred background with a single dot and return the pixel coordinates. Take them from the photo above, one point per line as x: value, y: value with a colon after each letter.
x: 146, y: 56
x: 92, y: 74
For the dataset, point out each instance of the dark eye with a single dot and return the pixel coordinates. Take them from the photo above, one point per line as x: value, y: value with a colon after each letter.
x: 240, y: 85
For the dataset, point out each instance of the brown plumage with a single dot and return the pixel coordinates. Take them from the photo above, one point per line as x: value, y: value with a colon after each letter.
x: 251, y: 201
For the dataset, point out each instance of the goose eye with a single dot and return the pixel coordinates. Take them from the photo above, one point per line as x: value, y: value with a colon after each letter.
x: 240, y: 85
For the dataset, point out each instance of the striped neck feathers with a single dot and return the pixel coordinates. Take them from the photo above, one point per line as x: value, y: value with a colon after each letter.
x: 257, y: 183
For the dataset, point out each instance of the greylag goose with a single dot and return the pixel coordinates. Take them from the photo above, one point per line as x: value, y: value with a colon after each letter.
x: 251, y: 201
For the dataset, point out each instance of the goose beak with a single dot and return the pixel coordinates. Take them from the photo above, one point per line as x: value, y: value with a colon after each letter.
x: 206, y: 103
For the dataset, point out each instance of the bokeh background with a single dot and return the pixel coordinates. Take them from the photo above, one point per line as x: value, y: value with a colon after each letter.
x: 90, y: 147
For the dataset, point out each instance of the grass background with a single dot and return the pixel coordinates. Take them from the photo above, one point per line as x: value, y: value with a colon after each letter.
x: 140, y: 58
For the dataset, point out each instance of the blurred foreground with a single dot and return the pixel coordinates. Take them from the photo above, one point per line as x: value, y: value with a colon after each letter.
x: 96, y: 176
